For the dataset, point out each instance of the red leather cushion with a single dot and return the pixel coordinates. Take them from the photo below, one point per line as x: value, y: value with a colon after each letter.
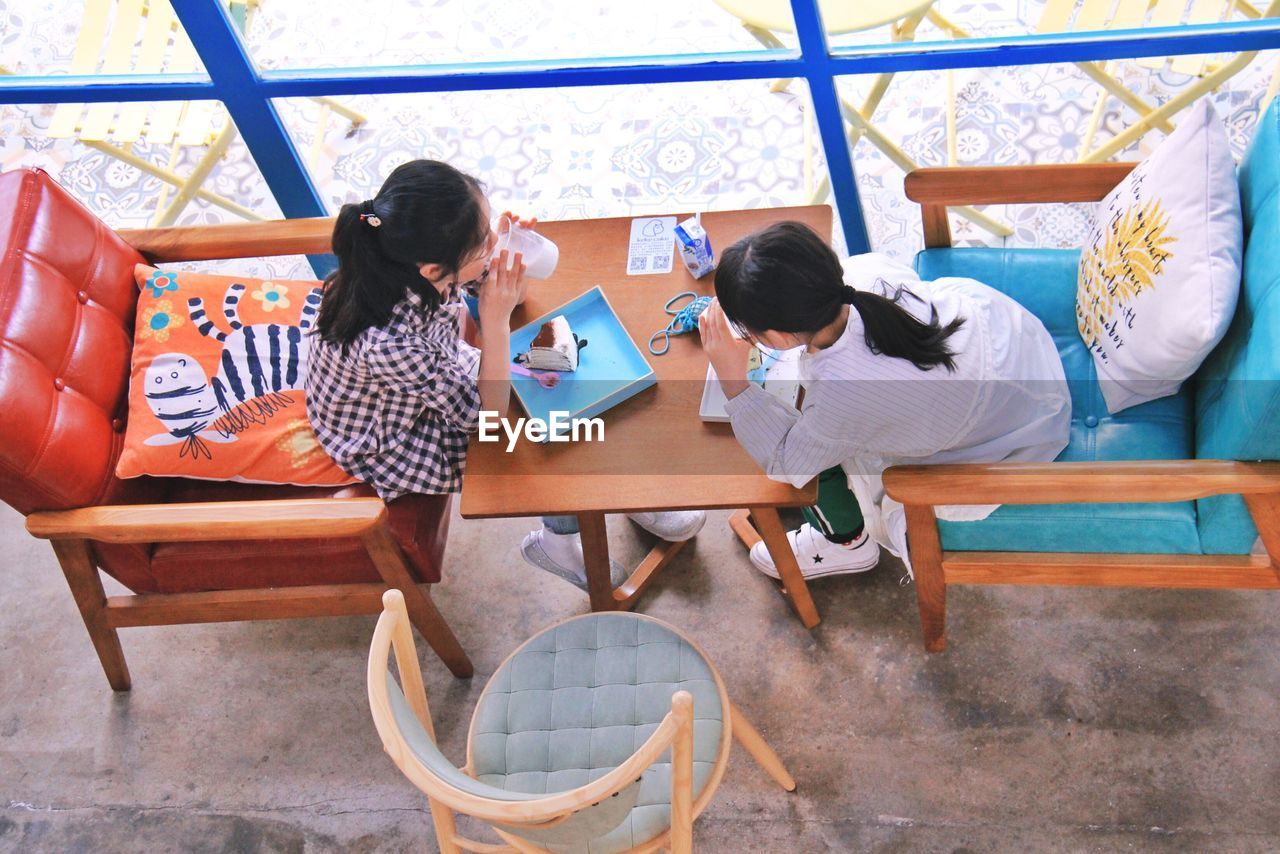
x: 67, y: 299
x: 420, y: 524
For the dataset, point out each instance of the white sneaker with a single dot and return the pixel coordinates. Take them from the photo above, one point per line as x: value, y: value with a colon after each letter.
x: 819, y: 557
x: 561, y: 554
x: 671, y: 525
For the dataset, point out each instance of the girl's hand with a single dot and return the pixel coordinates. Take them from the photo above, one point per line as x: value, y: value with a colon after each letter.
x: 502, y: 293
x: 530, y: 224
x: 727, y: 353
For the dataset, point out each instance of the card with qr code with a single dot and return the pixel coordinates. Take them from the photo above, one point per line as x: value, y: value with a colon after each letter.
x: 652, y: 245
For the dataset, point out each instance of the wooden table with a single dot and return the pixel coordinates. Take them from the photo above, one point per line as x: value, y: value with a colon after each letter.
x: 657, y: 453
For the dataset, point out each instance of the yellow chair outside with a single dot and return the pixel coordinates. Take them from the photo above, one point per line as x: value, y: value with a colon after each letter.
x: 765, y: 18
x: 109, y: 44
x: 1060, y: 16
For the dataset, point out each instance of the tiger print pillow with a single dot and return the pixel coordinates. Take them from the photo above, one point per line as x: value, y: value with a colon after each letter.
x: 216, y: 381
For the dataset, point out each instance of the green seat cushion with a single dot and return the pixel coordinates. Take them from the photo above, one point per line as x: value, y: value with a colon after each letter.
x: 1044, y: 282
x: 578, y: 700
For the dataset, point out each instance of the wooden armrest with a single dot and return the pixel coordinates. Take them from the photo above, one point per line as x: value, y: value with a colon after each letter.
x: 233, y: 240
x: 1078, y: 483
x: 988, y: 185
x: 293, y: 519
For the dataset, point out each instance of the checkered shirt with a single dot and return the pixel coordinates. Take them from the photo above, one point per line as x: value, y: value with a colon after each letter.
x: 394, y: 408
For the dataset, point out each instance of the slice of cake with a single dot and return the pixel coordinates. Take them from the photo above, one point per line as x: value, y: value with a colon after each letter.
x: 554, y: 348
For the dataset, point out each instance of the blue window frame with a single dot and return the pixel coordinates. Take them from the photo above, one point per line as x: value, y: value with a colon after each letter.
x: 247, y: 91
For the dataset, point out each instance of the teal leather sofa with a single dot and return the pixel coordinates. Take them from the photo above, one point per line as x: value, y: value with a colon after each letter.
x: 1171, y: 493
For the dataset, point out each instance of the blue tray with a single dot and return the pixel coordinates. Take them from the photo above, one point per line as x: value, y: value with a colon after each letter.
x: 611, y: 367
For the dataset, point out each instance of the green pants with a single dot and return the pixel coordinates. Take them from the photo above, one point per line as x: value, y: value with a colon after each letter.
x: 837, y: 514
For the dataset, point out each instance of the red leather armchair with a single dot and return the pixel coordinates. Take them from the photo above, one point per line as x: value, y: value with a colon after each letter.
x: 190, y: 551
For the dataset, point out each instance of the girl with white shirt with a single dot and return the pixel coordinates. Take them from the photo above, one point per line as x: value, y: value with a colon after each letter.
x: 896, y: 370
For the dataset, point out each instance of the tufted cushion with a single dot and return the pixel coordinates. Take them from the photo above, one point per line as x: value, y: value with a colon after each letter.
x: 1044, y: 280
x: 580, y: 698
x: 66, y: 322
x: 1238, y: 387
x: 67, y: 302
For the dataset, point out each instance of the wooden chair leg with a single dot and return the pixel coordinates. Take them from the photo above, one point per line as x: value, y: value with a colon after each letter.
x: 749, y: 737
x: 775, y: 538
x: 430, y: 623
x: 1265, y: 510
x: 86, y: 587
x: 446, y: 827
x: 926, y: 564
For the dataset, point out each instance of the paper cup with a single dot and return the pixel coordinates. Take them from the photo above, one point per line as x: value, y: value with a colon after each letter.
x: 540, y: 254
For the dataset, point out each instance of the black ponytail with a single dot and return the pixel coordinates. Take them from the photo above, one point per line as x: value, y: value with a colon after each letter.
x: 427, y: 212
x: 785, y: 278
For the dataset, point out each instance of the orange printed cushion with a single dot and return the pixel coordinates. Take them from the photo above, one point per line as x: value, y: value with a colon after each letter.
x: 216, y: 383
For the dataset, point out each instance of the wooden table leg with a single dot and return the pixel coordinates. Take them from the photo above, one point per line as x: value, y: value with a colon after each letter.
x: 793, y: 584
x: 595, y: 553
x: 658, y: 557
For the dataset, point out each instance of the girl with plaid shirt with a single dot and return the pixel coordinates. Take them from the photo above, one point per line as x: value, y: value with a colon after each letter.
x: 393, y: 392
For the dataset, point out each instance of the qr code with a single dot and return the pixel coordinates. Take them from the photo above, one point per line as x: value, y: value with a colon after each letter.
x: 639, y: 264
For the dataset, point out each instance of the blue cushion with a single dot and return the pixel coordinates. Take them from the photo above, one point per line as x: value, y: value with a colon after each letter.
x: 1238, y: 386
x: 578, y: 700
x: 1044, y: 280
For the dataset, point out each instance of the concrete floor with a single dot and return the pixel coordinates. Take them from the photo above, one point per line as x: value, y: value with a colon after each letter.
x: 1059, y: 719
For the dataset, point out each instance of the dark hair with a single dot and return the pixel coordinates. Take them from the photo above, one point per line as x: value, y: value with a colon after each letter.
x: 427, y: 212
x: 785, y: 278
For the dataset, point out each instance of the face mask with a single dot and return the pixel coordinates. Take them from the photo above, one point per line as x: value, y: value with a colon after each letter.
x: 685, y: 320
x: 472, y: 286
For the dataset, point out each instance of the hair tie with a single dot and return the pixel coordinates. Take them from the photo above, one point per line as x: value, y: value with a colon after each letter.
x: 367, y: 214
x: 849, y: 295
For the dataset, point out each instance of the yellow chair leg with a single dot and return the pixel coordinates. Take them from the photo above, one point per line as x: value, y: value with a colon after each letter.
x: 806, y: 118
x: 191, y: 184
x: 317, y: 141
x: 905, y: 163
x: 772, y: 42
x: 1115, y: 87
x: 1094, y: 121
x: 952, y: 157
x: 169, y: 177
x: 1178, y: 102
x: 1271, y: 90
x: 356, y: 117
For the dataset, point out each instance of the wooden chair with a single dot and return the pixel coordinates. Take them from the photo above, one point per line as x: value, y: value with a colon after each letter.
x: 552, y: 755
x: 109, y: 44
x: 1170, y: 493
x: 189, y: 551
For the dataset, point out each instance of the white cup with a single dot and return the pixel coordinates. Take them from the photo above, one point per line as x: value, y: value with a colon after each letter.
x: 540, y: 254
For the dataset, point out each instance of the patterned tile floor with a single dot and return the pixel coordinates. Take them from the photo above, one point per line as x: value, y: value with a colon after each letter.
x: 610, y: 150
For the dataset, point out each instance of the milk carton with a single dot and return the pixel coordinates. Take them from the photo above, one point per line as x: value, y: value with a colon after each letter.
x: 695, y: 247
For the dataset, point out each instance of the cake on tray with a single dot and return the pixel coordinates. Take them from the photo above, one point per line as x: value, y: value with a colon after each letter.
x: 554, y: 348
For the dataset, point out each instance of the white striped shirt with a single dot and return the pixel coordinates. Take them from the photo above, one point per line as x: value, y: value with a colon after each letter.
x: 1006, y: 400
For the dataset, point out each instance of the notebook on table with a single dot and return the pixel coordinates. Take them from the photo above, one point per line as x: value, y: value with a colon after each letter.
x: 776, y: 371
